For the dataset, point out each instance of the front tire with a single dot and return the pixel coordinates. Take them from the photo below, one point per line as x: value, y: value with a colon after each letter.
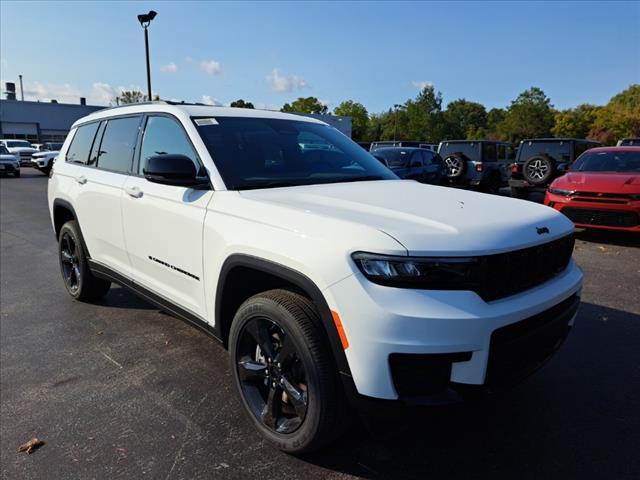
x: 78, y: 279
x: 16, y: 174
x: 284, y: 373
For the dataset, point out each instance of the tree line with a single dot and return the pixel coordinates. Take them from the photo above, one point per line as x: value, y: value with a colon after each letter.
x: 530, y: 115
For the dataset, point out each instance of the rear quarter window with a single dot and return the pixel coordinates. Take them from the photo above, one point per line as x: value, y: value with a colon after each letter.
x: 78, y: 151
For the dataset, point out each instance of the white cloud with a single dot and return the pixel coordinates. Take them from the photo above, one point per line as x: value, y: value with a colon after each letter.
x: 169, y: 68
x: 103, y: 93
x: 45, y: 92
x: 210, y: 66
x: 422, y: 84
x: 285, y: 83
x: 208, y: 100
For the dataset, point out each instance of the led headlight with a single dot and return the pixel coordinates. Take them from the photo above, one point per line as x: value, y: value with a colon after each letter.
x: 433, y: 273
x: 561, y: 192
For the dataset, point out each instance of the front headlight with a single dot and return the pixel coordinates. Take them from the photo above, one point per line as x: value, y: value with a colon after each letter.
x: 430, y: 273
x: 561, y: 192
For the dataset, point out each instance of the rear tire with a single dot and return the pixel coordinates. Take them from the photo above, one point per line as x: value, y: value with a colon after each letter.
x: 77, y: 277
x: 291, y: 351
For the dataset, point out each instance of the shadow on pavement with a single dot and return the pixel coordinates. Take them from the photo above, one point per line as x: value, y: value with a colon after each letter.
x: 576, y: 418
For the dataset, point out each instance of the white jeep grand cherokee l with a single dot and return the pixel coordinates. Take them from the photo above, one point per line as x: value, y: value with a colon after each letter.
x: 333, y: 283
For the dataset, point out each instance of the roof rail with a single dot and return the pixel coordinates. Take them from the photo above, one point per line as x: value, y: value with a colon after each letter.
x: 154, y: 102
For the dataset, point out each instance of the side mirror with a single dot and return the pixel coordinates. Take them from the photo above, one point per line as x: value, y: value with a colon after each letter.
x: 170, y: 169
x: 563, y: 167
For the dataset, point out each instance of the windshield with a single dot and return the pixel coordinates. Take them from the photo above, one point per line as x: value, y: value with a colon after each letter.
x: 608, y: 162
x: 18, y: 143
x: 468, y: 149
x: 3, y: 150
x: 393, y: 157
x: 267, y: 153
x: 51, y: 146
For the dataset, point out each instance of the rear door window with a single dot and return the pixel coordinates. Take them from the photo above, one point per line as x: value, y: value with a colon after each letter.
x: 81, y: 144
x: 118, y: 143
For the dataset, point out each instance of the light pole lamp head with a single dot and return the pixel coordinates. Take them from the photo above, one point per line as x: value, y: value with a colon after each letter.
x: 145, y: 18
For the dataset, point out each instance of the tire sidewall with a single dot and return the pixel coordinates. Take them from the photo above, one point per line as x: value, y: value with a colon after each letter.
x: 550, y: 163
x: 264, y: 308
x: 463, y: 167
x: 70, y: 228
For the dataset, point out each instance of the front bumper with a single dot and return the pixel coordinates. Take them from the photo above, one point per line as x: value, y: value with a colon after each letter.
x: 605, y: 213
x: 456, y: 326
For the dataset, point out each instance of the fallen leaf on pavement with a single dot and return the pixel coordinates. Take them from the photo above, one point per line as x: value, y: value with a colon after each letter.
x: 31, y: 445
x: 602, y: 249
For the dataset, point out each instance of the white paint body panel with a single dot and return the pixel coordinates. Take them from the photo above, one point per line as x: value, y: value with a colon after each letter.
x: 314, y: 230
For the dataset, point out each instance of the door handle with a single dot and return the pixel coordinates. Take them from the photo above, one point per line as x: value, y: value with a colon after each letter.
x: 81, y: 179
x: 134, y: 192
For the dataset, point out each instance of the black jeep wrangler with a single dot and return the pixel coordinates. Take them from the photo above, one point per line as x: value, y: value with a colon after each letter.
x: 540, y: 160
x: 481, y: 164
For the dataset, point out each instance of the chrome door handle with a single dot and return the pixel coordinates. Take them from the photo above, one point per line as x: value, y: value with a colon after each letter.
x: 81, y: 179
x: 134, y: 192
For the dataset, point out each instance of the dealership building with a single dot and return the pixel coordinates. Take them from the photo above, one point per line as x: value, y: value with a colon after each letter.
x: 39, y: 122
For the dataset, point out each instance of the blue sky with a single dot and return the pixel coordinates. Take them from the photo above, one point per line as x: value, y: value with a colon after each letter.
x: 377, y: 53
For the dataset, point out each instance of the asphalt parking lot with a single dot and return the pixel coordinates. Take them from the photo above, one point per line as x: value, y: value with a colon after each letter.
x: 122, y: 390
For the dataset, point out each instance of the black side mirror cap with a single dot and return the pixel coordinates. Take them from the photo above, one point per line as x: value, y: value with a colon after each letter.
x: 172, y: 169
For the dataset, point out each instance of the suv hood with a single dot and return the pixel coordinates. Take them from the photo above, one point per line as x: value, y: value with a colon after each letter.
x: 425, y: 219
x: 21, y: 149
x: 47, y: 153
x: 613, y: 182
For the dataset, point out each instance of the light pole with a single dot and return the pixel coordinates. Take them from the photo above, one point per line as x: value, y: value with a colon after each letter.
x: 145, y: 20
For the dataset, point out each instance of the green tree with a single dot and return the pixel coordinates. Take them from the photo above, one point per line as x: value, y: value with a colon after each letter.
x: 305, y: 105
x: 131, y: 96
x: 619, y: 118
x: 241, y: 104
x: 464, y: 118
x: 575, y: 122
x: 422, y: 118
x: 530, y: 115
x: 359, y: 118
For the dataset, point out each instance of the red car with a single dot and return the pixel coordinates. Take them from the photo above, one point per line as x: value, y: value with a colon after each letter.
x: 600, y: 190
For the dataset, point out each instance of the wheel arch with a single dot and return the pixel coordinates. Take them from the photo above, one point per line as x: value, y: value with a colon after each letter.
x: 233, y: 289
x: 63, y: 212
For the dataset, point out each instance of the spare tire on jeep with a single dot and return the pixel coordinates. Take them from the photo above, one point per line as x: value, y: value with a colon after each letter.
x: 538, y: 170
x: 456, y: 165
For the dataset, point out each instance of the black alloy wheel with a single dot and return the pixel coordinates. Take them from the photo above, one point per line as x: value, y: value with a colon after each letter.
x: 272, y: 377
x: 70, y: 262
x: 78, y: 279
x: 284, y: 373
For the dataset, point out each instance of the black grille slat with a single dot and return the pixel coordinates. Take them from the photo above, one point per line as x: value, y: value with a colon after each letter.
x: 607, y: 218
x: 508, y: 273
